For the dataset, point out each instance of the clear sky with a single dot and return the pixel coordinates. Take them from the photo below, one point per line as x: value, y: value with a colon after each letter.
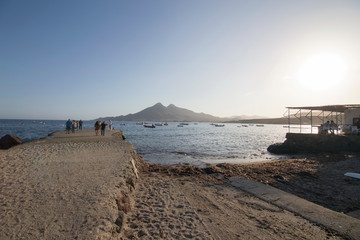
x: 86, y: 59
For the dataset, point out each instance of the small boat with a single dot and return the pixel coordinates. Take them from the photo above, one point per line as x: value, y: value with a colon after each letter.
x: 149, y: 126
x: 140, y: 123
x: 184, y: 124
x: 219, y: 125
x: 259, y: 125
x: 180, y: 125
x: 166, y: 124
x: 244, y: 125
x: 354, y: 175
x: 158, y: 124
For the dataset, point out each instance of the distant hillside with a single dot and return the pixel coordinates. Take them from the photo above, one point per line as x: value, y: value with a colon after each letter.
x: 245, y: 117
x: 171, y: 113
x: 262, y: 121
x: 284, y: 120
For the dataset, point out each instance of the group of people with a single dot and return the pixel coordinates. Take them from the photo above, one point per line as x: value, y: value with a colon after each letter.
x: 73, y: 126
x: 101, y: 125
x: 328, y: 127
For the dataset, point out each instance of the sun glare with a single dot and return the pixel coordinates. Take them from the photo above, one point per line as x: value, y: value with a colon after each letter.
x: 322, y: 72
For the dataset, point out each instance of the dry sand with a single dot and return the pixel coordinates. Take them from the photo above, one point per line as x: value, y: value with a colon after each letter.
x: 76, y: 187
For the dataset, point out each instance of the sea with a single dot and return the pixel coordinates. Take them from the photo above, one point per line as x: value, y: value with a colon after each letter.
x: 195, y: 143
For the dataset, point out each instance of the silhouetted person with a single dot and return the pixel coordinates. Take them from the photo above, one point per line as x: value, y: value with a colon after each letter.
x: 103, y: 127
x: 110, y: 125
x: 97, y: 127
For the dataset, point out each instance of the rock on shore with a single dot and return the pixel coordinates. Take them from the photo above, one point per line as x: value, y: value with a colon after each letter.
x: 316, y: 143
x: 9, y: 141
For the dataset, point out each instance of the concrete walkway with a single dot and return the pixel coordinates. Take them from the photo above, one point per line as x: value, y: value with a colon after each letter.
x: 338, y: 222
x: 67, y: 186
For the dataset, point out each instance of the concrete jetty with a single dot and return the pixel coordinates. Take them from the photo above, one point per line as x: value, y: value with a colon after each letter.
x: 67, y: 186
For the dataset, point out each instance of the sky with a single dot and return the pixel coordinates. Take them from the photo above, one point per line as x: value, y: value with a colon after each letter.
x: 86, y: 59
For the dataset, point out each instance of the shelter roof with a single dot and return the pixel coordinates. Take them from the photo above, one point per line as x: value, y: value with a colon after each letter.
x: 329, y: 108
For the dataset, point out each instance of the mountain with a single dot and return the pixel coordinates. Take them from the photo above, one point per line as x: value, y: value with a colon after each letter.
x: 171, y: 113
x: 243, y: 117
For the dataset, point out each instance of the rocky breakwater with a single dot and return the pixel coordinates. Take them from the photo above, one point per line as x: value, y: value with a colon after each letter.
x: 68, y: 186
x: 9, y: 141
x: 316, y: 143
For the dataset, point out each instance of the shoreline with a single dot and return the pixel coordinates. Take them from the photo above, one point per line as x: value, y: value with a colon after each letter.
x: 220, y: 211
x: 93, y: 187
x: 301, y: 176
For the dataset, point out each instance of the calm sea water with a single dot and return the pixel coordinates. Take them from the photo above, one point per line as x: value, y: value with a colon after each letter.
x: 196, y: 143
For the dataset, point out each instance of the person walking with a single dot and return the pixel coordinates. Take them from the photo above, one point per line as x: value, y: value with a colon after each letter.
x: 97, y: 127
x: 103, y: 127
x: 73, y: 126
x: 68, y: 126
x: 80, y: 124
x: 110, y: 125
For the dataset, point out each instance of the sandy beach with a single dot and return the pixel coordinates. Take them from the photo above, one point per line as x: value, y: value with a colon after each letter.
x: 81, y: 186
x: 186, y: 202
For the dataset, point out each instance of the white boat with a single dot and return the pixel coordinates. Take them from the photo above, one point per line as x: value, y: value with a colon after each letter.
x: 219, y: 125
x: 354, y: 175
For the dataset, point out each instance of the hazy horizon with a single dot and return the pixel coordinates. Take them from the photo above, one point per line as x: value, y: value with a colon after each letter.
x: 89, y: 59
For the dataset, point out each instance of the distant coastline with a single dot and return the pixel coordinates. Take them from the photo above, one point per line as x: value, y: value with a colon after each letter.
x: 261, y: 121
x: 283, y: 120
x: 171, y: 113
